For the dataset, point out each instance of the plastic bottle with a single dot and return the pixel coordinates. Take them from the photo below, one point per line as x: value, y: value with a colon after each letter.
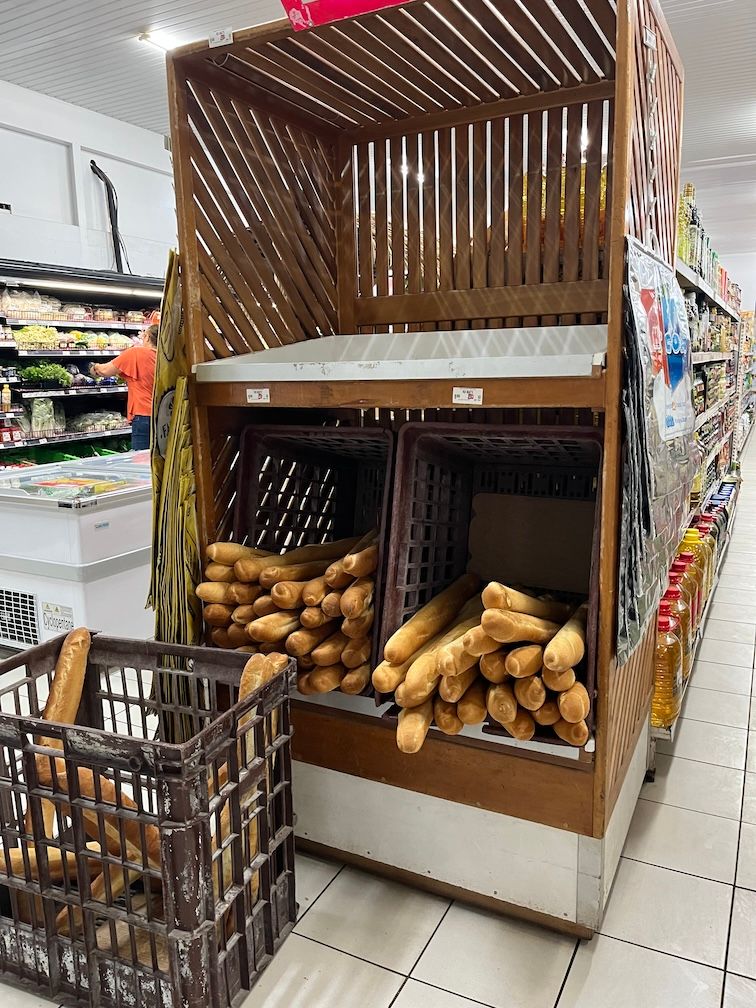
x: 674, y: 604
x: 694, y: 569
x: 5, y: 398
x: 710, y: 532
x: 678, y: 579
x: 665, y: 703
x: 695, y: 543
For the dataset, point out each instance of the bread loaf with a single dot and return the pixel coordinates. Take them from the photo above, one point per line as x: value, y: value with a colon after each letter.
x: 471, y: 709
x: 493, y: 667
x: 264, y: 606
x: 237, y: 635
x: 275, y: 627
x: 403, y: 698
x: 445, y: 716
x: 523, y: 726
x: 576, y: 734
x: 568, y: 646
x: 303, y: 684
x: 228, y: 552
x: 304, y: 572
x: 336, y: 577
x: 530, y: 692
x: 430, y: 619
x: 305, y: 662
x: 359, y: 626
x: 213, y: 591
x: 219, y: 637
x: 243, y: 614
x: 330, y: 651
x: 356, y: 652
x: 243, y: 594
x: 331, y: 605
x: 356, y: 680
x: 357, y: 598
x: 498, y: 596
x: 510, y: 627
x: 453, y: 688
x: 326, y: 678
x: 248, y: 649
x: 288, y: 594
x: 315, y: 591
x: 386, y: 677
x: 524, y: 661
x: 219, y: 572
x: 501, y: 703
x: 67, y: 683
x: 413, y: 726
x: 218, y: 615
x: 548, y: 714
x: 313, y: 616
x: 558, y: 682
x: 303, y: 642
x: 574, y: 703
x: 452, y: 659
x: 477, y: 642
x: 361, y: 564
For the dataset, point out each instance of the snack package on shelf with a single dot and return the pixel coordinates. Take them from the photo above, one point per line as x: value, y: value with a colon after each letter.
x: 86, y: 423
x: 507, y: 656
x: 315, y: 603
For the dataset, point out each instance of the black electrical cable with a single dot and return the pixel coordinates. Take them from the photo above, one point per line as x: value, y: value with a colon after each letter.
x: 119, y: 248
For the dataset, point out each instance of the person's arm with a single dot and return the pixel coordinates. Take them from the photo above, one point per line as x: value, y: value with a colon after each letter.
x: 107, y: 370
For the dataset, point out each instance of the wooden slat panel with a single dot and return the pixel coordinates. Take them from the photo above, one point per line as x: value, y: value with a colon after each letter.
x: 398, y: 257
x: 515, y: 273
x: 592, y: 198
x: 364, y: 223
x: 445, y: 211
x: 412, y: 177
x: 479, y: 208
x: 525, y: 300
x: 534, y: 204
x: 381, y: 220
x: 430, y: 237
x: 553, y: 209
x: 462, y: 259
x: 497, y: 240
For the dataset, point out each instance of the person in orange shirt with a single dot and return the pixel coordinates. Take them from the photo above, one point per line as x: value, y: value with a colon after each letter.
x: 137, y: 366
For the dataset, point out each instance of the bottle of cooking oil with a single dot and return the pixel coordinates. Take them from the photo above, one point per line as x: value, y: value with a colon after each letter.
x: 675, y: 605
x: 689, y: 562
x: 696, y: 543
x: 668, y: 673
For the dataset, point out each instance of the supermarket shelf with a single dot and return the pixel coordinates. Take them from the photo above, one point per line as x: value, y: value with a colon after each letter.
x: 710, y: 357
x: 713, y: 410
x: 64, y: 438
x: 76, y: 324
x: 692, y: 281
x: 10, y: 414
x: 56, y: 393
x: 69, y: 353
x: 717, y: 448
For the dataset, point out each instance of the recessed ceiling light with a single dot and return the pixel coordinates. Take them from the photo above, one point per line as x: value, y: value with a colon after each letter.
x: 161, y: 40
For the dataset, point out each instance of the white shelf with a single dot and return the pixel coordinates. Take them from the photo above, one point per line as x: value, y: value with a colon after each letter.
x: 710, y: 357
x: 65, y: 438
x: 69, y: 353
x: 77, y: 324
x: 689, y: 280
x: 57, y: 393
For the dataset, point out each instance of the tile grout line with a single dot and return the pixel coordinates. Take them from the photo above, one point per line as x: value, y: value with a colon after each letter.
x: 684, y: 808
x: 433, y: 935
x: 671, y: 955
x: 679, y: 871
x: 352, y: 955
x: 327, y: 886
x: 567, y: 974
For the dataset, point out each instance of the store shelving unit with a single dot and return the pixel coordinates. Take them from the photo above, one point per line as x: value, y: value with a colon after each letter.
x: 266, y: 123
x: 690, y: 280
x: 114, y: 291
x: 710, y: 413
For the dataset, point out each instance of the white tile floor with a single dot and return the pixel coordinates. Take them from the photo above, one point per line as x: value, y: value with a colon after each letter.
x: 680, y: 928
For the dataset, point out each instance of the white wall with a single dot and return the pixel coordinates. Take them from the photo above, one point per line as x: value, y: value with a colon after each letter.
x: 59, y: 210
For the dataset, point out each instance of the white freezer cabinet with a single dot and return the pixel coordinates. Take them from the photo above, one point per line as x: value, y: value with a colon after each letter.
x: 75, y: 541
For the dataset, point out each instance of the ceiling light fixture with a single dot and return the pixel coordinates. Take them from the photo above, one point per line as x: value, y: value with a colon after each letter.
x: 159, y: 40
x: 85, y: 287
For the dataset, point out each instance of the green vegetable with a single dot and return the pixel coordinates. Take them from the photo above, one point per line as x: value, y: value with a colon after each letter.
x: 43, y: 372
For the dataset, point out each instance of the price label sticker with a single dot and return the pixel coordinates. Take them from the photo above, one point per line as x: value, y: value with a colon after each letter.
x: 258, y: 395
x: 221, y: 36
x: 467, y: 396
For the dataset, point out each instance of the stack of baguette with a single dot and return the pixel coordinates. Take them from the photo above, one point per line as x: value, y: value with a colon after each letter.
x: 504, y: 654
x: 314, y: 602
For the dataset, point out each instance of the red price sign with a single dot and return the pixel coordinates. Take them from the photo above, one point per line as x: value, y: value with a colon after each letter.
x: 305, y: 14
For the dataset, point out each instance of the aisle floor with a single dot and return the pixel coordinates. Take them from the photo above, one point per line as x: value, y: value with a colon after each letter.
x: 680, y: 928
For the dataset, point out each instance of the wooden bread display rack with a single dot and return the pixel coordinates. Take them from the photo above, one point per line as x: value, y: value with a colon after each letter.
x: 379, y: 217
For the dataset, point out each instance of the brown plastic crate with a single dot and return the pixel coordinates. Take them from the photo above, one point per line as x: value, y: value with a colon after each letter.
x: 303, y: 485
x: 440, y: 470
x: 198, y: 837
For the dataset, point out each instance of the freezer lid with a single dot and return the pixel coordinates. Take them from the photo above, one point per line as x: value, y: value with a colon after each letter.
x: 76, y: 483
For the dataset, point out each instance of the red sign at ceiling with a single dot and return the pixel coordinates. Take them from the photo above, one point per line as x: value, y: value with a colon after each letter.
x: 305, y: 14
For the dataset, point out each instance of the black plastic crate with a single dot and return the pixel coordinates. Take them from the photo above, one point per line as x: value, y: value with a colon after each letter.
x: 167, y: 878
x: 440, y: 471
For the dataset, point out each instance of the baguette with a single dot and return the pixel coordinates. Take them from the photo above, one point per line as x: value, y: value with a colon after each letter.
x: 510, y: 627
x: 361, y: 564
x: 326, y: 678
x: 219, y: 572
x: 276, y: 627
x: 218, y: 615
x: 413, y: 726
x: 313, y: 616
x: 548, y: 714
x: 219, y: 637
x: 568, y: 645
x: 303, y: 684
x: 305, y: 662
x: 471, y: 709
x: 576, y: 733
x: 305, y: 572
x: 213, y: 591
x: 574, y: 703
x: 243, y: 594
x: 330, y: 651
x: 315, y: 591
x: 249, y: 649
x: 524, y: 661
x: 445, y: 716
x: 387, y: 677
x: 452, y: 659
x: 477, y: 642
x: 453, y: 688
x: 336, y: 577
x: 530, y: 692
x: 494, y: 667
x: 243, y: 614
x: 498, y: 596
x: 237, y: 635
x: 501, y: 703
x: 558, y: 681
x: 229, y: 552
x: 357, y: 598
x: 522, y: 727
x: 359, y: 626
x: 356, y: 680
x: 303, y: 642
x: 430, y: 619
x: 331, y: 605
x: 423, y: 673
x: 67, y: 683
x: 288, y: 594
x: 356, y: 652
x: 264, y: 606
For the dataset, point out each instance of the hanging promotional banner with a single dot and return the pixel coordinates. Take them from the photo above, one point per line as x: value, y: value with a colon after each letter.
x: 305, y: 14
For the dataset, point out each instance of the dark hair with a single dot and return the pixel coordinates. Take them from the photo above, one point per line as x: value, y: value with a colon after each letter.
x: 152, y: 332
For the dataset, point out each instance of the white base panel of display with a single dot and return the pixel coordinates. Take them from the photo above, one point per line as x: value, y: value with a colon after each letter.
x: 557, y: 875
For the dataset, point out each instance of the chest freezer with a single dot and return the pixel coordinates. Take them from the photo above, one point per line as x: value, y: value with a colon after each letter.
x: 75, y: 541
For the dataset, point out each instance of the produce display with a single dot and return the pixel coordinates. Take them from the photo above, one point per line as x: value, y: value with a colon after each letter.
x: 314, y: 602
x: 41, y: 337
x: 504, y: 654
x: 19, y: 304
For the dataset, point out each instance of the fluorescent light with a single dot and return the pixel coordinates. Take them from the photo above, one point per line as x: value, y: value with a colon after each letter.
x: 158, y: 39
x: 91, y: 288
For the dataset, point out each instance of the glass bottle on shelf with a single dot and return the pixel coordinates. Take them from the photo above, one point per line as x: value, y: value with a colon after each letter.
x: 674, y: 604
x: 668, y: 673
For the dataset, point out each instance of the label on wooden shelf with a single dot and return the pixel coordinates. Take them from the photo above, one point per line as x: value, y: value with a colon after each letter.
x: 305, y: 14
x: 467, y: 396
x: 221, y: 36
x: 258, y: 395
